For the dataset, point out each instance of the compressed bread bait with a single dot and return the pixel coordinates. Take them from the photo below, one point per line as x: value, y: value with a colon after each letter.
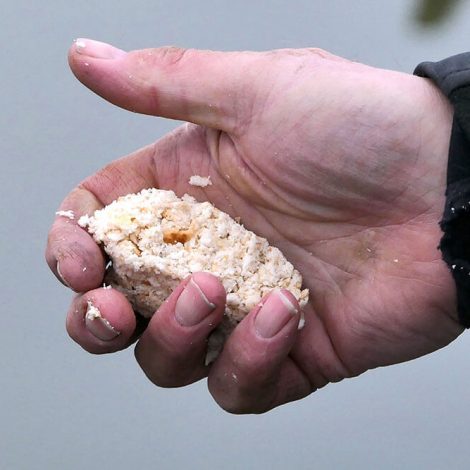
x: 156, y: 239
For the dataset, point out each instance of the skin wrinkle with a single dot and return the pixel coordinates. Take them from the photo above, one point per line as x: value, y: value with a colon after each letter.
x: 74, y: 251
x: 293, y: 244
x: 271, y: 214
x: 369, y: 335
x: 260, y: 180
x: 166, y: 59
x: 241, y: 104
x: 176, y: 174
x: 228, y: 117
x: 153, y: 95
x: 351, y: 275
x: 208, y: 140
x: 103, y: 185
x: 83, y: 187
x: 154, y: 164
x: 332, y: 280
x: 384, y: 336
x: 170, y: 56
x: 161, y: 157
x: 258, y: 176
x: 388, y: 201
x: 311, y: 248
x: 292, y: 391
x: 176, y: 163
x: 417, y: 280
x: 313, y: 383
x: 258, y: 104
x: 214, y: 144
x: 359, y: 273
x: 394, y: 147
x: 232, y: 204
x: 380, y: 337
x: 397, y: 276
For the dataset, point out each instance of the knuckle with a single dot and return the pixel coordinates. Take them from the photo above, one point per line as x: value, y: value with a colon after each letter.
x: 244, y: 387
x: 319, y: 52
x: 230, y: 399
x: 171, y: 55
x: 233, y: 407
x: 164, y: 375
x: 239, y: 404
x: 239, y: 395
x: 326, y: 55
x: 162, y: 381
x: 167, y: 379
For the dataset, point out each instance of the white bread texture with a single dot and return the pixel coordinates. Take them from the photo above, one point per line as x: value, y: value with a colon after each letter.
x: 156, y: 239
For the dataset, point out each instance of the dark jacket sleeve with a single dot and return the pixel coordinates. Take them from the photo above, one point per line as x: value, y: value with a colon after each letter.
x: 452, y: 76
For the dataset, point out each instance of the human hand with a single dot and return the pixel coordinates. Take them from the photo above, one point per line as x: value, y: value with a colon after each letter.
x: 340, y: 165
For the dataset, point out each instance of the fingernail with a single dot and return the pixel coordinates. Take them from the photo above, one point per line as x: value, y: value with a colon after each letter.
x: 275, y: 313
x: 97, y: 49
x: 192, y: 305
x: 97, y: 325
x: 61, y: 275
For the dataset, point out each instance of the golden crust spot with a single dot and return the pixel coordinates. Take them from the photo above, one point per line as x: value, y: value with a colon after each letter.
x: 177, y: 236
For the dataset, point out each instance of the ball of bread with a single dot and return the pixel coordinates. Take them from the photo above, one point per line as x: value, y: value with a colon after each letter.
x: 155, y: 239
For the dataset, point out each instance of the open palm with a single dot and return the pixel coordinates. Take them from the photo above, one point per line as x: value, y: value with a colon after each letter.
x: 340, y: 165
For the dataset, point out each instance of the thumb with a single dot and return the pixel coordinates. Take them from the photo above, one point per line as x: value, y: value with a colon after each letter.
x: 203, y: 87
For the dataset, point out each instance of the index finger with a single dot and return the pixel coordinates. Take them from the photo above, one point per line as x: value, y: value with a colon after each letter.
x: 71, y: 253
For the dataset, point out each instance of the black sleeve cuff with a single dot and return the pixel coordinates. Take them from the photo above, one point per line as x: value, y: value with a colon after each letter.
x: 452, y: 76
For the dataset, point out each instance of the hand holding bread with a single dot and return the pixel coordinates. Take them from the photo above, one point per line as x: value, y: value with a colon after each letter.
x: 339, y: 166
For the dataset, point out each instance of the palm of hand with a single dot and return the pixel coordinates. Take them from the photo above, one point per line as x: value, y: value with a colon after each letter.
x: 350, y: 204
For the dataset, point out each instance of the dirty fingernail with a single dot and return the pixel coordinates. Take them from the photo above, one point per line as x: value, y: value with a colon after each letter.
x: 192, y: 305
x: 97, y: 49
x: 275, y: 313
x: 97, y: 325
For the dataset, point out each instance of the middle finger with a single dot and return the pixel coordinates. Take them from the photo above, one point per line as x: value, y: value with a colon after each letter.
x: 172, y: 349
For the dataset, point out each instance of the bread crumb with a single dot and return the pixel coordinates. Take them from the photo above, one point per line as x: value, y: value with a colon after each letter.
x: 92, y: 312
x: 84, y: 220
x: 201, y: 181
x: 148, y: 263
x: 67, y: 214
x: 99, y: 326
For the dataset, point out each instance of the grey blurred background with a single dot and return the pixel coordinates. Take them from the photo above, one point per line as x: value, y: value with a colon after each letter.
x: 61, y: 408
